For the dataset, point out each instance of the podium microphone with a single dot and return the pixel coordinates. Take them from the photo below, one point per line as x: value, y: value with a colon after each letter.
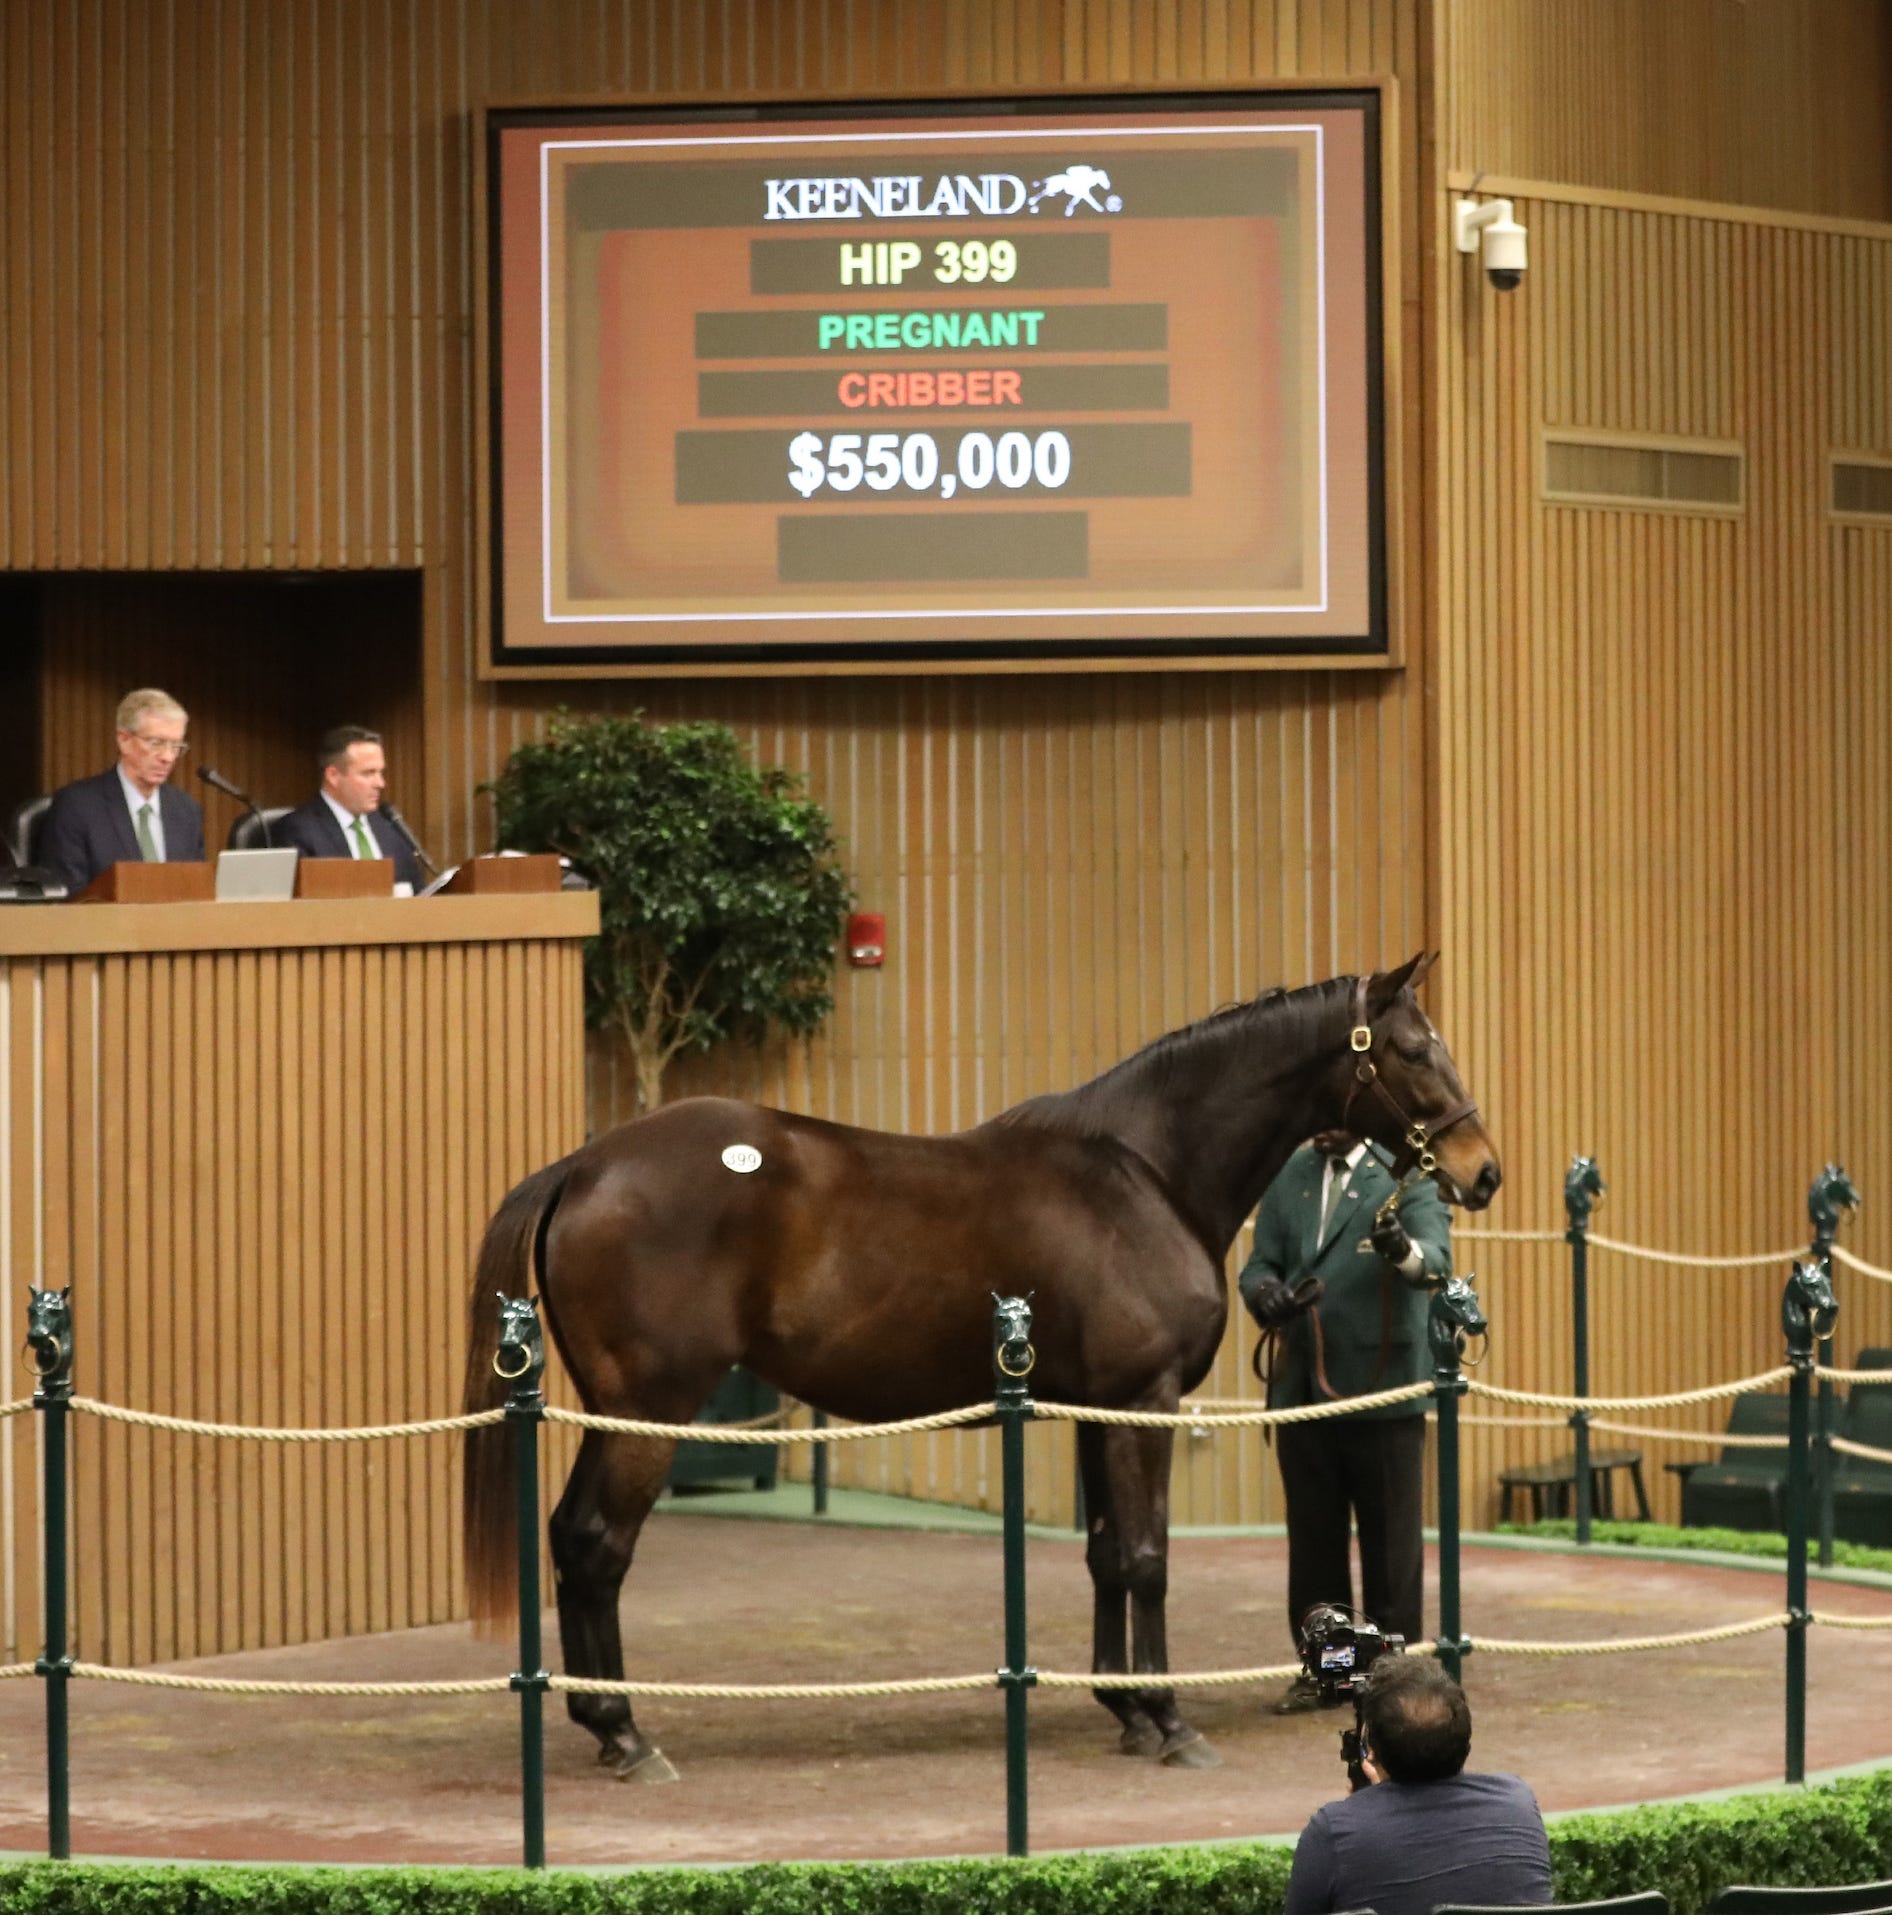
x: 219, y: 782
x: 413, y: 843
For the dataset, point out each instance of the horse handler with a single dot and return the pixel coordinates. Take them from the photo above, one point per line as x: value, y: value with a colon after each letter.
x: 1340, y: 1295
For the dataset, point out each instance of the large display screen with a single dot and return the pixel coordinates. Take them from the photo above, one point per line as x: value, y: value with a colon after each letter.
x: 1060, y: 379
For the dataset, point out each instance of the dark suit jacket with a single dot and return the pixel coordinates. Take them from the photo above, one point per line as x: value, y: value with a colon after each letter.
x: 1365, y: 1303
x: 314, y: 831
x: 88, y: 828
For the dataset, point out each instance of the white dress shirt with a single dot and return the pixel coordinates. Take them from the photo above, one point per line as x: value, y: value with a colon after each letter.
x: 1335, y: 1170
x: 137, y: 801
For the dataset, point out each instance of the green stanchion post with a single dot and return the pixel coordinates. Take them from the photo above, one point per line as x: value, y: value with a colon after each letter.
x: 1012, y: 1360
x: 1807, y: 1313
x: 1830, y: 1195
x: 49, y: 1343
x: 1583, y: 1190
x: 1455, y: 1315
x: 520, y: 1359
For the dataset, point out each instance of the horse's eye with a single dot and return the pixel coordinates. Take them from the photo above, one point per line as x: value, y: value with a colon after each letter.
x: 1413, y: 1053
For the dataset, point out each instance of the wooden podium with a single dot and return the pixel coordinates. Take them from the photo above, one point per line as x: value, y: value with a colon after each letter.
x: 130, y: 882
x: 261, y: 1141
x: 537, y: 871
x: 344, y: 877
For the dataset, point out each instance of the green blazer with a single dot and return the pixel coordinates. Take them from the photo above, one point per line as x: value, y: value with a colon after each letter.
x: 1365, y: 1302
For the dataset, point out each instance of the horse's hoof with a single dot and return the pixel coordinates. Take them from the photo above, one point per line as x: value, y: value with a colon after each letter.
x: 1189, y: 1749
x: 1141, y: 1738
x: 645, y: 1763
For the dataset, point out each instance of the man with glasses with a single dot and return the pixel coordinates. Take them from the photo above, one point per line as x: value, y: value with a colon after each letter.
x: 131, y: 812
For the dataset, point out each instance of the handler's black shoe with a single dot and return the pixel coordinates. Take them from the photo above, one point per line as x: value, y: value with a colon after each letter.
x: 1299, y: 1698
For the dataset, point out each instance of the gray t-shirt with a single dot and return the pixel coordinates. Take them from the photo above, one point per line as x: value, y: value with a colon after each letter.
x: 1401, y: 1848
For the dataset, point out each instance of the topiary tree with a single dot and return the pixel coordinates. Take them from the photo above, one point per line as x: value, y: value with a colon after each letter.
x: 719, y: 889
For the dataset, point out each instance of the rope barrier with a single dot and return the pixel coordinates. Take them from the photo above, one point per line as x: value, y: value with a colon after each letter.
x: 11, y: 1669
x: 1852, y: 1376
x: 1690, y: 1436
x: 1507, y: 1236
x: 770, y: 1691
x: 1860, y: 1449
x: 15, y: 1409
x: 1727, y: 1632
x: 237, y: 1686
x: 1864, y: 1268
x: 1513, y: 1423
x: 1674, y: 1400
x: 1211, y: 1679
x: 184, y: 1426
x: 1162, y: 1419
x: 1695, y: 1263
x: 1833, y: 1621
x: 714, y: 1432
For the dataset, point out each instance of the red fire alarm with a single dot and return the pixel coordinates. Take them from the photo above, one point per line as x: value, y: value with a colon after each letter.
x: 867, y: 940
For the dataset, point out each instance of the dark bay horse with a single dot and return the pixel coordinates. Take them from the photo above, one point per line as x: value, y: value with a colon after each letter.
x: 855, y: 1270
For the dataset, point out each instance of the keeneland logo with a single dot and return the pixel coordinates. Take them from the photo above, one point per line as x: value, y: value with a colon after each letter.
x: 938, y: 196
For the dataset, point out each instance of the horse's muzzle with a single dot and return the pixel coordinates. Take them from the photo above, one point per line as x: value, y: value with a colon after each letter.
x: 1484, y: 1185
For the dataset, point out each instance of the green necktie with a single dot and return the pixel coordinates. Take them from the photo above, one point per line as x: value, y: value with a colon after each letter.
x: 147, y: 844
x: 363, y: 849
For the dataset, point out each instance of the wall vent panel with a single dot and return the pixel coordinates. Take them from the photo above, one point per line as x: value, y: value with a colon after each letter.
x: 1862, y: 488
x: 1597, y: 469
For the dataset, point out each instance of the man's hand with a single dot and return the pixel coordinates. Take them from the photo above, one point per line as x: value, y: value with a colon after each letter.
x: 1389, y: 1239
x: 1273, y: 1303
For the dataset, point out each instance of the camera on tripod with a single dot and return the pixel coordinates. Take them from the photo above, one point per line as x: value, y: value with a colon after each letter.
x: 1337, y: 1650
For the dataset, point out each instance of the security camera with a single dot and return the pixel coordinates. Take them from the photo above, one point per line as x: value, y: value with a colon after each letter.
x: 1504, y: 239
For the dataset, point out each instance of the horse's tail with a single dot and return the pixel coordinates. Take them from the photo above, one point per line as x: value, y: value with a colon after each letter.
x: 513, y: 1245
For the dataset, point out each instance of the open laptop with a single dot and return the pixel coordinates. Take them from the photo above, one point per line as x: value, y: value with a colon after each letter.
x: 253, y: 876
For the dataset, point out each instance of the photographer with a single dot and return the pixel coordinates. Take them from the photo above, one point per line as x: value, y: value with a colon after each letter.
x: 1424, y: 1832
x: 1342, y: 1292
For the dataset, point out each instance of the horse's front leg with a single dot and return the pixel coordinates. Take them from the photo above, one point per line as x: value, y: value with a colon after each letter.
x: 1110, y: 1634
x: 594, y: 1533
x: 1140, y: 1479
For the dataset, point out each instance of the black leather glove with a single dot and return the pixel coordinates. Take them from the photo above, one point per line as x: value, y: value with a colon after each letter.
x: 1272, y: 1303
x: 1390, y: 1241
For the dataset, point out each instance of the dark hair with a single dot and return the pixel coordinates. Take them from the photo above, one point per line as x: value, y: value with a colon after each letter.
x: 1417, y: 1721
x: 333, y: 750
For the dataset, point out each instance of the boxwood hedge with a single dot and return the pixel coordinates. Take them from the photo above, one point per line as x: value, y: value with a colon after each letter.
x: 1838, y: 1832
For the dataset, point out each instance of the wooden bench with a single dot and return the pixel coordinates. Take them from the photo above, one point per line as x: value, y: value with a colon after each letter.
x: 1551, y: 1486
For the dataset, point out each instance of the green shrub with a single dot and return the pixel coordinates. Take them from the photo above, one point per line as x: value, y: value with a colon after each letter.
x: 1731, y: 1542
x: 1841, y: 1832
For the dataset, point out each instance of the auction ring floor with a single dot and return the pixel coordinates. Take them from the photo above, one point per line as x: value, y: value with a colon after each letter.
x: 163, y: 1773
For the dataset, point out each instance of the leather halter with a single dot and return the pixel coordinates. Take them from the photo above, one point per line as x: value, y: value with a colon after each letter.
x: 1415, y: 1152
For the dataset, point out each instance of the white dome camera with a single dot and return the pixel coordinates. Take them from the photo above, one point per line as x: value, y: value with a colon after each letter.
x: 1505, y: 243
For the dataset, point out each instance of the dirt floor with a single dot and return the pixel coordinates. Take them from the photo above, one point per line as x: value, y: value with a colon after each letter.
x: 159, y: 1773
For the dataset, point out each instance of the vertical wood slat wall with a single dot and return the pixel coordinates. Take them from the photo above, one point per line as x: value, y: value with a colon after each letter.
x: 245, y: 238
x: 267, y: 1216
x: 1663, y: 845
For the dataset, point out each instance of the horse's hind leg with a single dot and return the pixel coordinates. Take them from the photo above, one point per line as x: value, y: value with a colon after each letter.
x: 1139, y: 1463
x: 594, y: 1532
x: 1110, y: 1636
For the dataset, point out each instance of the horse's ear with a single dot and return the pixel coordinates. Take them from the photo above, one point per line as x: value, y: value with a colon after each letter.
x: 1425, y: 961
x: 1384, y: 986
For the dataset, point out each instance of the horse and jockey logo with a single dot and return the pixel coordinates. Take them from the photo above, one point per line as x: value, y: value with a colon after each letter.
x: 1078, y: 185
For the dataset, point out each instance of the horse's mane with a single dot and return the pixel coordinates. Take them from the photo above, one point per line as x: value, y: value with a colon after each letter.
x: 1279, y: 1023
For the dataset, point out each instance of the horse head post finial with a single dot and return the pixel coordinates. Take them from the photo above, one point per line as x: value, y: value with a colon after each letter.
x: 1584, y: 1190
x: 1831, y: 1197
x: 49, y: 1343
x: 520, y: 1358
x: 1455, y: 1317
x: 1012, y: 1354
x: 1808, y: 1311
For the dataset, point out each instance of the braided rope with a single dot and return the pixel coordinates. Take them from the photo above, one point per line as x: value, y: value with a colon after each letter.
x: 14, y: 1409
x: 1833, y: 1621
x: 235, y: 1686
x: 1695, y: 1263
x: 11, y: 1669
x: 1864, y: 1268
x: 1691, y: 1436
x: 185, y: 1426
x: 1512, y: 1423
x: 1852, y: 1376
x: 714, y: 1432
x: 1499, y: 1646
x: 1211, y: 1679
x: 769, y: 1691
x: 1860, y: 1449
x: 1507, y: 1236
x: 1161, y: 1419
x: 1674, y: 1400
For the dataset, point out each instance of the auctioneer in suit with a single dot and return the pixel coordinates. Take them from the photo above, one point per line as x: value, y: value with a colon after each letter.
x: 316, y: 832
x: 1366, y: 1333
x: 89, y: 827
